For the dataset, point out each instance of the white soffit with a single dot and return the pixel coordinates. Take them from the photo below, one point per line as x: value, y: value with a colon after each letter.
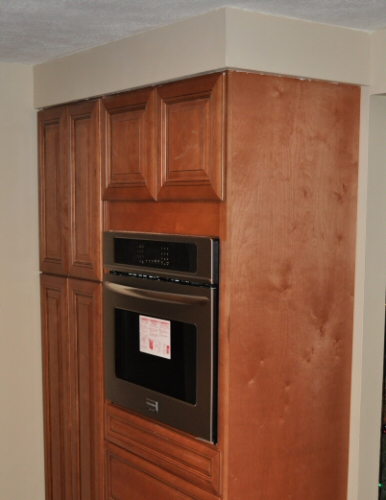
x: 35, y: 31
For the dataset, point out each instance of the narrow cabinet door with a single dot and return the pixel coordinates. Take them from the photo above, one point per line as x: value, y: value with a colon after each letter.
x: 83, y: 154
x: 128, y: 145
x: 190, y: 115
x: 55, y: 347
x: 53, y: 191
x: 86, y: 368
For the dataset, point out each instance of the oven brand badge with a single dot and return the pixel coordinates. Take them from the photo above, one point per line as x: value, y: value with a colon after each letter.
x: 154, y: 336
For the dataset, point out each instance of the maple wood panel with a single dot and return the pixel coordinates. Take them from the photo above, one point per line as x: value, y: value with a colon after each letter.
x: 55, y: 349
x: 86, y: 369
x: 184, y: 457
x: 85, y: 258
x: 128, y: 145
x: 191, y: 139
x: 288, y: 251
x: 195, y: 218
x: 53, y: 216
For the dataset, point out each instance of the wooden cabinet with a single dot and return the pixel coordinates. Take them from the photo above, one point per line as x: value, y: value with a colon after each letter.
x: 286, y: 223
x: 166, y: 142
x: 70, y: 201
x: 73, y: 388
x: 287, y: 230
x: 70, y: 246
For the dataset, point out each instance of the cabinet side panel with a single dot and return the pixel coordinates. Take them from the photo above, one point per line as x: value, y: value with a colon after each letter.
x: 52, y: 184
x: 85, y: 302
x: 288, y: 249
x: 56, y: 387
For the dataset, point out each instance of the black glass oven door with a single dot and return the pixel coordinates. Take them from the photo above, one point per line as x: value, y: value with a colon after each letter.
x: 156, y: 353
x: 161, y: 351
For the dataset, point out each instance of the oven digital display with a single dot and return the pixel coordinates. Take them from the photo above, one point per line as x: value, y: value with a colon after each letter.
x: 173, y: 256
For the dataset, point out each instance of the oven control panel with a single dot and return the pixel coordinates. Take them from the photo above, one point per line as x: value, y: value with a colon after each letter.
x: 171, y: 256
x: 156, y: 254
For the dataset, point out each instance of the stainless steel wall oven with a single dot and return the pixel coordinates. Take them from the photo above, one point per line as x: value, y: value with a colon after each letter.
x: 160, y: 307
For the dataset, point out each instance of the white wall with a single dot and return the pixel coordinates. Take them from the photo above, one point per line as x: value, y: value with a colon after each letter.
x: 226, y: 37
x: 21, y: 424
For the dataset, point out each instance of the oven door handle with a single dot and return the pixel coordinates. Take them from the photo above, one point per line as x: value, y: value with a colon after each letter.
x: 139, y: 293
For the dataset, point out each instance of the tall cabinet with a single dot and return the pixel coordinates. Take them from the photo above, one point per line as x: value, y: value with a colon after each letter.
x: 268, y: 165
x: 71, y: 295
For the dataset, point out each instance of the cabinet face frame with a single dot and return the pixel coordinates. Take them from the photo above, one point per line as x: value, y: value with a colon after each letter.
x: 53, y: 207
x: 191, y: 144
x: 128, y: 145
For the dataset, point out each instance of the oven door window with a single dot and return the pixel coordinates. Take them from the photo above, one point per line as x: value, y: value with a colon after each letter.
x: 173, y: 375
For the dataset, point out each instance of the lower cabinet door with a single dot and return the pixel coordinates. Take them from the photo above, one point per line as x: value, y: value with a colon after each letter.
x: 86, y: 382
x: 73, y: 388
x: 56, y: 387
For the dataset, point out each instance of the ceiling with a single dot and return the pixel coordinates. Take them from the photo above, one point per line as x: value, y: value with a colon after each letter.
x: 34, y: 31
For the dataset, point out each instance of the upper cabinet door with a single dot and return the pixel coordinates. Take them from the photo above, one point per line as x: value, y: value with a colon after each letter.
x: 128, y: 145
x: 83, y: 155
x: 191, y: 139
x: 52, y: 184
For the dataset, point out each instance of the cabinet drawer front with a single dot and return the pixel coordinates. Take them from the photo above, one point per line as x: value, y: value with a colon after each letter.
x: 174, y: 452
x: 131, y: 478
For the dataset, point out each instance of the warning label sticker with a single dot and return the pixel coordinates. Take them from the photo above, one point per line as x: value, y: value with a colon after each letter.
x: 154, y: 336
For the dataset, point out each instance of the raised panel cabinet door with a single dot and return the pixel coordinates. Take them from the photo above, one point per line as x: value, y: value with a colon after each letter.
x: 83, y: 154
x: 86, y: 375
x: 56, y: 387
x: 190, y: 116
x: 128, y: 145
x: 53, y: 216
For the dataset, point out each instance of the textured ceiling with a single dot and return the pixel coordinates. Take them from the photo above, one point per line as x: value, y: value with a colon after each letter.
x: 34, y: 31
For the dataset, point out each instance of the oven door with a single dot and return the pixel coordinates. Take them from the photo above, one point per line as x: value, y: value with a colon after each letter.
x: 161, y: 351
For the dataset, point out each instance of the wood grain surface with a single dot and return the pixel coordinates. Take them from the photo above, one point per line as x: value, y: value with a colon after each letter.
x: 84, y: 194
x: 196, y: 218
x: 86, y: 377
x: 53, y: 202
x: 56, y: 387
x: 286, y: 313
